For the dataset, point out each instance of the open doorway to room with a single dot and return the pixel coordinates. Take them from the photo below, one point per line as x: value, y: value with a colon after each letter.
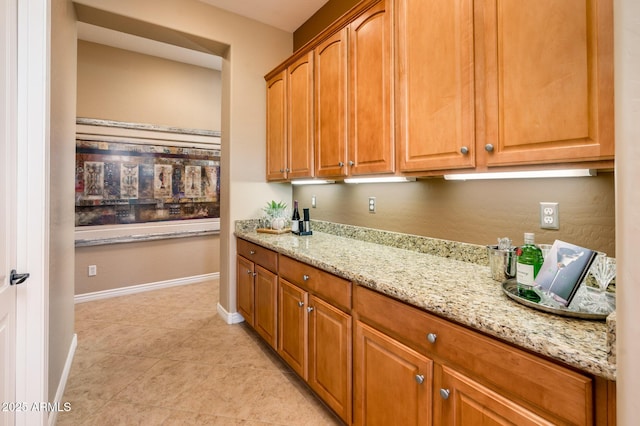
x: 142, y: 84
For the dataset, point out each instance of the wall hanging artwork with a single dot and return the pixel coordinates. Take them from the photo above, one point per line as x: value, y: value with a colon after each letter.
x: 126, y: 180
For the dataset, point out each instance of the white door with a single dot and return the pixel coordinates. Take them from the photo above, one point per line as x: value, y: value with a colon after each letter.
x: 7, y: 214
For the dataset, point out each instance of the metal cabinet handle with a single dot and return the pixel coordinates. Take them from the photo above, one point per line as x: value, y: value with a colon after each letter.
x: 249, y: 272
x: 252, y: 252
x: 310, y: 309
x: 419, y: 379
x: 444, y: 393
x: 301, y: 304
x: 464, y: 150
x: 488, y: 147
x: 305, y: 277
x: 431, y: 337
x: 351, y: 163
x: 281, y: 170
x: 340, y: 164
x: 287, y: 170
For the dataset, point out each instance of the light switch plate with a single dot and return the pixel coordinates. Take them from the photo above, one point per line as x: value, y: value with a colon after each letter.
x: 549, y: 218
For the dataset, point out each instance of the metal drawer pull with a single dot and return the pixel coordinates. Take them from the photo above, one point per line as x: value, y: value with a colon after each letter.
x: 444, y: 393
x: 310, y: 308
x: 419, y: 379
x: 249, y: 272
x: 301, y: 304
x: 340, y: 164
x: 464, y: 150
x: 488, y: 147
x: 252, y: 252
x: 431, y: 337
x: 305, y: 277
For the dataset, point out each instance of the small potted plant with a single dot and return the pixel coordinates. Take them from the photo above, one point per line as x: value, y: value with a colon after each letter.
x: 276, y: 214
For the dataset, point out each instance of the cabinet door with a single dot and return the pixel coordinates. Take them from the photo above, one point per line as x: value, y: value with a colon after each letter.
x: 548, y: 80
x: 300, y: 118
x: 276, y: 127
x: 330, y: 356
x: 292, y: 326
x: 266, y: 299
x: 462, y: 401
x: 244, y: 273
x: 371, y: 148
x: 435, y: 84
x: 392, y: 382
x: 331, y: 105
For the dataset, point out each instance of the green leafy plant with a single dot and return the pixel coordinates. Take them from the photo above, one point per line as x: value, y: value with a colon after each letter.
x: 273, y: 209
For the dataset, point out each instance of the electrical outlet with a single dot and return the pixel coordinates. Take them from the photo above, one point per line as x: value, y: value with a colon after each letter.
x: 549, y: 216
x: 372, y: 204
x: 313, y: 201
x: 93, y: 270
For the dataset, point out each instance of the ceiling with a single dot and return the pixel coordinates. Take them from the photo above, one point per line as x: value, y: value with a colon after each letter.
x: 286, y: 15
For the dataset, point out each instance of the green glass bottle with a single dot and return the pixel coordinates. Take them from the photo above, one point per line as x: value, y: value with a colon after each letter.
x: 529, y: 262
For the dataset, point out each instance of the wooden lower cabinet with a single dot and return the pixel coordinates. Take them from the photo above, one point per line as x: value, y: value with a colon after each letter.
x: 292, y: 326
x: 392, y: 382
x: 257, y: 289
x: 265, y: 302
x: 330, y: 358
x: 315, y: 340
x: 461, y: 401
x: 244, y: 287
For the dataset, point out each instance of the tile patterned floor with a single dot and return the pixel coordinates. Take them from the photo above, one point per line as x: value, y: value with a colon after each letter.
x: 166, y: 358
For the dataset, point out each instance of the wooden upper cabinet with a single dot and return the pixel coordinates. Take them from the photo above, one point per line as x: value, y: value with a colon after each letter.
x: 331, y: 105
x: 300, y: 118
x: 290, y: 121
x: 434, y: 84
x: 371, y: 143
x: 545, y: 82
x: 276, y: 127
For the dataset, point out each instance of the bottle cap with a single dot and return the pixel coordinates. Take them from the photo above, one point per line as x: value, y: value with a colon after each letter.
x: 529, y: 237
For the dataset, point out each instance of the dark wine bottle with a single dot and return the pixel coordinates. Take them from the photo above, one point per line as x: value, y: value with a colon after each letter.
x: 295, y: 218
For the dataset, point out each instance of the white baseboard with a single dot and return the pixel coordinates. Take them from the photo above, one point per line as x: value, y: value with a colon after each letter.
x: 53, y: 414
x: 123, y: 291
x: 229, y: 317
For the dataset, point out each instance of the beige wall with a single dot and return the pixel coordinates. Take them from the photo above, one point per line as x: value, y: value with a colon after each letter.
x: 320, y: 20
x: 123, y: 265
x: 476, y: 212
x: 117, y: 84
x: 122, y: 85
x: 61, y: 196
x: 249, y: 51
x: 627, y: 93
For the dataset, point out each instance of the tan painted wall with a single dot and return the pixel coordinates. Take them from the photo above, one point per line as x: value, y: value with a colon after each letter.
x: 252, y: 50
x: 475, y: 211
x: 61, y: 196
x: 121, y: 85
x: 320, y: 20
x: 123, y: 265
x: 627, y: 94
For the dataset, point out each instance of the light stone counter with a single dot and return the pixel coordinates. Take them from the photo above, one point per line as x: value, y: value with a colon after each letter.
x: 459, y: 290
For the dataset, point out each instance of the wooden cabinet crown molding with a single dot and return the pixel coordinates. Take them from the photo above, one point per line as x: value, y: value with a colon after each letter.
x: 336, y: 26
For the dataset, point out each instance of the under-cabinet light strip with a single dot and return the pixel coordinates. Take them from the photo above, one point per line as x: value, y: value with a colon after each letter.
x: 524, y: 174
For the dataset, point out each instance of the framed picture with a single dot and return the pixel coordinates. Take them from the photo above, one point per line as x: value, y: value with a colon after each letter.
x: 126, y: 177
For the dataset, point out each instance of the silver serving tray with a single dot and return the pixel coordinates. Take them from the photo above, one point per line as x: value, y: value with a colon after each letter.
x: 510, y: 288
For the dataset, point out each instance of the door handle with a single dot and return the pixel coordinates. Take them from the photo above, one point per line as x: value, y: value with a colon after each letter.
x: 15, y: 278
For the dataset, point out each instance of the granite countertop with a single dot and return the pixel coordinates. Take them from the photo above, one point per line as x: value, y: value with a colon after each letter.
x: 458, y: 290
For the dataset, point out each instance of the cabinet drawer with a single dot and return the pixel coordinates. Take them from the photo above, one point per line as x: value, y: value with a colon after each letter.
x: 333, y: 289
x: 511, y: 371
x: 264, y: 257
